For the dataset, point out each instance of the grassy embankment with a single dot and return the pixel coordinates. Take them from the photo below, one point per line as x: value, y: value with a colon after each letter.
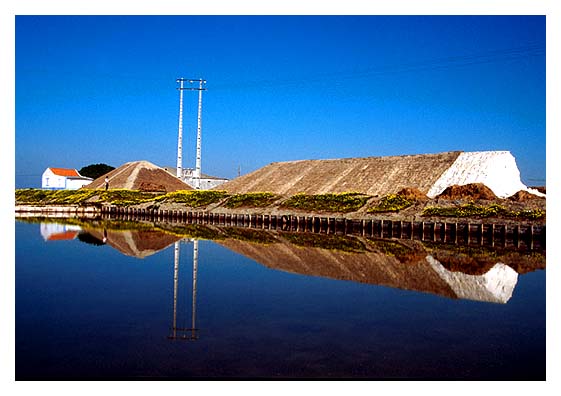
x: 321, y: 203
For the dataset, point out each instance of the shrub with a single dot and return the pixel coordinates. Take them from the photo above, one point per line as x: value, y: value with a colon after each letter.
x: 195, y: 198
x: 52, y: 197
x: 123, y: 197
x: 343, y: 202
x: 391, y: 203
x: 254, y: 200
x: 493, y: 210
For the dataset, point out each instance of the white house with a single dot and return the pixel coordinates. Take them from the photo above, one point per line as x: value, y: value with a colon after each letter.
x: 63, y: 179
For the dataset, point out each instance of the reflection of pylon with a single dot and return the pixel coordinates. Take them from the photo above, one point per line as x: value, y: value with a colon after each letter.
x: 184, y: 333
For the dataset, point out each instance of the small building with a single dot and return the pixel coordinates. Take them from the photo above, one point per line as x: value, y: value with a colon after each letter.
x: 63, y: 179
x: 207, y: 182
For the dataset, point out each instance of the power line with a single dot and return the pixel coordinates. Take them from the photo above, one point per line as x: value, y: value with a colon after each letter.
x: 444, y: 63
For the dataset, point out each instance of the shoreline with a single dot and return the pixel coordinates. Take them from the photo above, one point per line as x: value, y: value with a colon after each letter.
x: 411, y: 214
x: 526, y: 235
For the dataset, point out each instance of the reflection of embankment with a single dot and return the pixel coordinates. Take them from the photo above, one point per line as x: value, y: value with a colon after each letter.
x: 478, y: 273
x: 368, y: 267
x: 407, y: 266
x: 136, y: 243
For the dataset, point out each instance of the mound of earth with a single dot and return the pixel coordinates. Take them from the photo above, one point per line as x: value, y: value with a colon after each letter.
x: 139, y: 175
x: 412, y: 194
x: 522, y: 196
x: 468, y: 191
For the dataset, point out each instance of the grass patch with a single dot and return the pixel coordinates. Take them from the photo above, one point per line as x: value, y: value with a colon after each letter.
x: 118, y: 197
x: 340, y: 203
x: 122, y: 197
x: 193, y: 199
x: 252, y: 200
x: 391, y: 203
x: 34, y: 196
x: 493, y: 210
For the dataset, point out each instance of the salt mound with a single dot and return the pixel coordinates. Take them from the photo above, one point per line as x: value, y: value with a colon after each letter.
x: 139, y: 175
x: 473, y: 191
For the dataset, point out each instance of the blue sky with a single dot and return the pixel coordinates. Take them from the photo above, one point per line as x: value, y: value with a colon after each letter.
x: 101, y: 89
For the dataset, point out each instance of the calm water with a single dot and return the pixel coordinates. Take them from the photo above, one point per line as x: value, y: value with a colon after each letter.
x: 96, y: 304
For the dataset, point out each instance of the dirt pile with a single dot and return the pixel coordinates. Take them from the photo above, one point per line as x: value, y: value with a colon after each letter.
x: 412, y: 194
x: 522, y: 196
x: 140, y: 175
x: 468, y: 191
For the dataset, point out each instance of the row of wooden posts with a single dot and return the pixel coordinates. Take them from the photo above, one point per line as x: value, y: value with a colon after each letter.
x: 528, y: 236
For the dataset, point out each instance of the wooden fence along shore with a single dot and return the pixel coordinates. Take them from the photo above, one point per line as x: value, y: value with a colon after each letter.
x: 521, y: 236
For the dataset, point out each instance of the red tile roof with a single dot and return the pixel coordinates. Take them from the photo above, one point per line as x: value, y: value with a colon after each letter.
x: 61, y: 236
x: 65, y: 172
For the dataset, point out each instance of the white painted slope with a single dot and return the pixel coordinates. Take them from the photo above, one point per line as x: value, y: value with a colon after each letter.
x: 496, y: 169
x: 494, y: 286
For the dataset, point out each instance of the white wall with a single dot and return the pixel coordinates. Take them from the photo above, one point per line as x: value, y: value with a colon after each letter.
x: 206, y: 184
x: 496, y: 169
x: 74, y: 184
x: 50, y: 180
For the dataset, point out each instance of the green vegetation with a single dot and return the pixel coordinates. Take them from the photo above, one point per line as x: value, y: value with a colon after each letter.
x: 96, y: 170
x: 52, y: 197
x: 252, y: 200
x: 122, y: 197
x: 333, y: 203
x: 473, y: 210
x: 341, y: 203
x: 193, y: 199
x: 119, y: 197
x: 391, y: 203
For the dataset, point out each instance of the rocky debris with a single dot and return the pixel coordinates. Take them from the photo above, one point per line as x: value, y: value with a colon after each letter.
x: 468, y: 191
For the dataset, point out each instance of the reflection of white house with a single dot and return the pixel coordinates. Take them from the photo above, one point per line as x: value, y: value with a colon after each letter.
x: 59, y: 232
x: 63, y: 179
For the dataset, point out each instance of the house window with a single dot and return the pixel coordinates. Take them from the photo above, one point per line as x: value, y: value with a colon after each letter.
x: 46, y: 182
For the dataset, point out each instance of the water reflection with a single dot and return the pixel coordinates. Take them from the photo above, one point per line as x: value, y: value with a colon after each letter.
x: 472, y: 273
x: 184, y: 333
x: 58, y: 232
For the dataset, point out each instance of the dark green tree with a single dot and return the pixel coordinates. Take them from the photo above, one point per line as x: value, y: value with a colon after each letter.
x: 96, y: 170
